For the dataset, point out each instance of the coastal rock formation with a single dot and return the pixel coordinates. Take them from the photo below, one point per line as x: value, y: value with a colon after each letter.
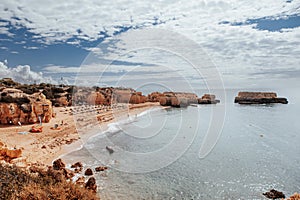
x: 80, y: 180
x: 88, y: 172
x: 91, y: 184
x: 208, y: 99
x: 18, y: 107
x: 154, y: 96
x: 96, y: 98
x: 259, y: 98
x: 137, y: 98
x: 9, y: 154
x: 101, y: 168
x: 274, y: 194
x: 177, y: 99
x: 58, y: 164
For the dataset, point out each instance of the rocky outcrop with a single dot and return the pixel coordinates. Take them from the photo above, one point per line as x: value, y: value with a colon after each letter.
x: 274, y: 194
x: 80, y: 180
x: 137, y: 97
x: 91, y: 184
x: 9, y: 154
x: 17, y: 106
x: 154, y: 96
x: 58, y: 164
x: 101, y: 168
x: 88, y: 172
x: 259, y: 98
x: 177, y: 99
x: 208, y: 99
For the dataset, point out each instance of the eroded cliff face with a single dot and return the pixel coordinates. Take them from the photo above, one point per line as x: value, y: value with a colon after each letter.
x: 16, y: 106
x: 259, y: 98
x: 177, y: 99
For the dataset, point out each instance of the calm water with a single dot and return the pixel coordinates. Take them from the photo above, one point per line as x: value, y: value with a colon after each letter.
x: 258, y: 150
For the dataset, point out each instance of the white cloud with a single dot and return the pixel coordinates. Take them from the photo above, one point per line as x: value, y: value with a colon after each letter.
x: 238, y: 51
x: 23, y: 74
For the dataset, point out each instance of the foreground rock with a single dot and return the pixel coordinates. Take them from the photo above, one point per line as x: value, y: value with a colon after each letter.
x: 208, y: 99
x: 88, y: 172
x: 58, y: 164
x: 259, y: 98
x: 9, y: 154
x: 274, y: 194
x: 91, y: 184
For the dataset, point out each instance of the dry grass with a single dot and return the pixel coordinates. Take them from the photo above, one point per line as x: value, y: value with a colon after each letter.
x: 16, y: 183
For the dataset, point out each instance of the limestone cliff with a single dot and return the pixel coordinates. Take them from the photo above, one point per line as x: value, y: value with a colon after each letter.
x: 16, y: 106
x: 259, y: 98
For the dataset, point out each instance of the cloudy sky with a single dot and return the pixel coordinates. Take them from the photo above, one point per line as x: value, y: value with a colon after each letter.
x: 249, y: 42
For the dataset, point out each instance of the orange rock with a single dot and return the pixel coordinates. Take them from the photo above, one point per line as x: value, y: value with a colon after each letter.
x: 15, y: 153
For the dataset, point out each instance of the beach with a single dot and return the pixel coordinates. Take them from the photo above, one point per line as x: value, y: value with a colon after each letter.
x: 42, y: 148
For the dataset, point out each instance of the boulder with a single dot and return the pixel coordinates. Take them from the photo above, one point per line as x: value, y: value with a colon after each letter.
x: 274, y: 194
x: 80, y: 180
x: 208, y: 99
x: 88, y: 172
x: 91, y: 184
x: 77, y: 165
x: 259, y: 98
x: 68, y: 173
x: 58, y: 164
x: 101, y: 168
x: 9, y: 154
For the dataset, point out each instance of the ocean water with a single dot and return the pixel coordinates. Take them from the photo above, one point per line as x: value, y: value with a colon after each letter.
x: 157, y: 153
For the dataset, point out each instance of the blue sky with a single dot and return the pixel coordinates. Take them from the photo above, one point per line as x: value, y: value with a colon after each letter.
x: 244, y: 39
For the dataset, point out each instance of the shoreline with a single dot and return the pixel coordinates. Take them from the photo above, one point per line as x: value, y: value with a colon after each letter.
x: 43, y: 148
x: 78, y: 145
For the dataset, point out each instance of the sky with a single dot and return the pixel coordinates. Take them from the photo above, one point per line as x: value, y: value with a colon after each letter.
x: 249, y: 43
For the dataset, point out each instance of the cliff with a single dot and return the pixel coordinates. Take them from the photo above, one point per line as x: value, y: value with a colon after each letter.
x: 259, y: 98
x: 17, y: 106
x: 176, y: 99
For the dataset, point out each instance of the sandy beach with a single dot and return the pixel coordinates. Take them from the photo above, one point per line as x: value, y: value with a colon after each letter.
x: 75, y: 126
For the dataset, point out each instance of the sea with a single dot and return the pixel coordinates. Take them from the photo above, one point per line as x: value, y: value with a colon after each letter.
x: 157, y: 154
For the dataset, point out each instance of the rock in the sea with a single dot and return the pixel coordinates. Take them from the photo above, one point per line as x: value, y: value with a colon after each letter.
x: 101, y: 168
x: 208, y: 99
x: 58, y: 164
x: 259, y: 98
x: 274, y: 194
x: 91, y: 184
x: 77, y: 165
x: 110, y: 149
x: 88, y: 172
